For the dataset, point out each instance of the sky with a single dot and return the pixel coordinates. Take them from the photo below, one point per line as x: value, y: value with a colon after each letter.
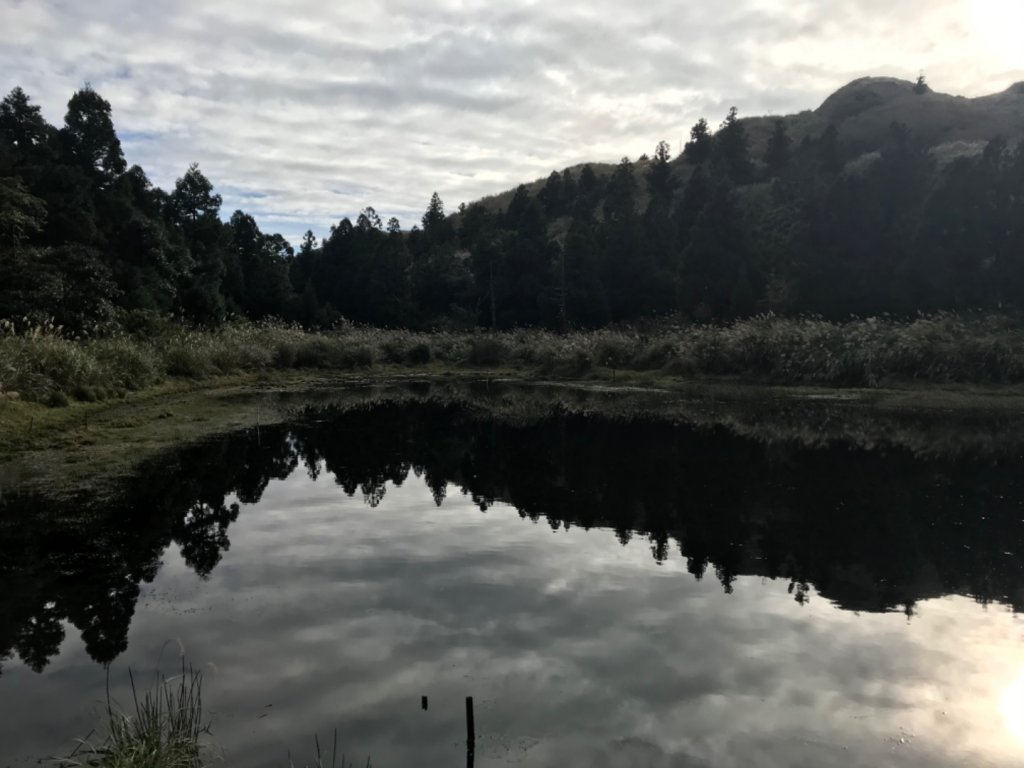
x: 302, y: 112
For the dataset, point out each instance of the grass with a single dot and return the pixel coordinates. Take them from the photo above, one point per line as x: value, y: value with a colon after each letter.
x: 163, y: 732
x: 320, y: 760
x: 44, y: 366
x: 62, y: 452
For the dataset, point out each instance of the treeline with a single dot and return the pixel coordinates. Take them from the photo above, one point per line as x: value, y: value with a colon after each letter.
x: 715, y: 234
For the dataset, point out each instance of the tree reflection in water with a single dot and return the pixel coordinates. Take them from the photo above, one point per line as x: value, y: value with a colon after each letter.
x: 871, y: 530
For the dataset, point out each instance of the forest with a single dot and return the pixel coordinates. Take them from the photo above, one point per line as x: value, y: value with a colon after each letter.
x: 817, y: 227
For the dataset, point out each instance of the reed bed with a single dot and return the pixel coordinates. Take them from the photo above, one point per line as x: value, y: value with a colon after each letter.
x: 42, y: 364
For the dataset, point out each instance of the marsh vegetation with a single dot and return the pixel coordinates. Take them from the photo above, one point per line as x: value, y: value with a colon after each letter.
x: 44, y: 364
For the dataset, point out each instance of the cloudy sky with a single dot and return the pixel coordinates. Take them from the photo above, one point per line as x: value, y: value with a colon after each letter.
x: 302, y: 112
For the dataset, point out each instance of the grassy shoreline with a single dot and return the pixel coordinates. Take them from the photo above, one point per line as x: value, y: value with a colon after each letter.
x: 72, y: 410
x: 95, y: 445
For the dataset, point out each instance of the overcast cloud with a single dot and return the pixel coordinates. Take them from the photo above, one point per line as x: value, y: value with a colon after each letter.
x: 303, y: 112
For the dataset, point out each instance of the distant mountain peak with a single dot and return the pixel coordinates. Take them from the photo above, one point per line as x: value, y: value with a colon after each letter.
x: 862, y: 94
x: 863, y: 110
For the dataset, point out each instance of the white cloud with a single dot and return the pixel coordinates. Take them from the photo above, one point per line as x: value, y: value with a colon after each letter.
x: 321, y: 109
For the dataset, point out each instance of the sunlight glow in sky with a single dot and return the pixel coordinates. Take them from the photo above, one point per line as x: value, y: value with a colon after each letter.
x: 301, y: 112
x: 1013, y: 707
x: 997, y: 25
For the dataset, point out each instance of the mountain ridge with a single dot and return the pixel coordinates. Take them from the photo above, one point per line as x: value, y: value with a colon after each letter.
x: 862, y: 112
x: 863, y: 109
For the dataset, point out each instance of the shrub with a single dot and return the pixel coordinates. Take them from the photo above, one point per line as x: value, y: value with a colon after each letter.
x: 394, y: 351
x: 654, y: 355
x: 129, y: 363
x: 187, y: 356
x: 418, y: 354
x: 360, y: 356
x: 86, y: 394
x: 315, y: 352
x: 286, y: 355
x: 57, y: 399
x: 486, y: 351
x: 614, y: 350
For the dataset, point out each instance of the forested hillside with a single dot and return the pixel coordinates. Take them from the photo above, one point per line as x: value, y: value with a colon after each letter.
x: 835, y: 212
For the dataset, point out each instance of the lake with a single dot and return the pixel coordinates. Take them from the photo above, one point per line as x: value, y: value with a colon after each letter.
x: 614, y: 586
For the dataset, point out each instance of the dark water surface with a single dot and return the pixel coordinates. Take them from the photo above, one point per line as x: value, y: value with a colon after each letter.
x: 611, y: 591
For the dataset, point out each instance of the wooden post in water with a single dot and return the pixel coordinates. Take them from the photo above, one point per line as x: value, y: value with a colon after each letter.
x: 470, y: 733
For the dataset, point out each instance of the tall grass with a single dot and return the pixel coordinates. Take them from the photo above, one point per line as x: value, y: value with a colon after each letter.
x: 164, y: 730
x: 44, y: 365
x: 320, y: 759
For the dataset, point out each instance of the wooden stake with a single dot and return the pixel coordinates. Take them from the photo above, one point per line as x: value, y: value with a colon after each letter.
x: 470, y: 733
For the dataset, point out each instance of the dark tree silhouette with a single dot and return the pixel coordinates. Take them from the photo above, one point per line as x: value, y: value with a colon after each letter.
x: 859, y: 226
x: 776, y: 153
x: 698, y: 149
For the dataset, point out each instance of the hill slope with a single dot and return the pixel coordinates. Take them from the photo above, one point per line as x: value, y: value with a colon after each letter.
x: 863, y: 110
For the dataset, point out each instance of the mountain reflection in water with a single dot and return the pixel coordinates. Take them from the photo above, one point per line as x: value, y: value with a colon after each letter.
x: 846, y: 528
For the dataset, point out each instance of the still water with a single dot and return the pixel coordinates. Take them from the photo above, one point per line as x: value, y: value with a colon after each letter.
x: 611, y: 591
